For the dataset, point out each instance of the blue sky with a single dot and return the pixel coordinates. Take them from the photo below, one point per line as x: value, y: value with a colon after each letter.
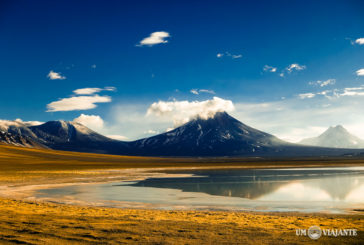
x: 214, y: 48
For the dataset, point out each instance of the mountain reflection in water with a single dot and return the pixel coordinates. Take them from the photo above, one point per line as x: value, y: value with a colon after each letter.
x: 336, y: 190
x: 319, y: 184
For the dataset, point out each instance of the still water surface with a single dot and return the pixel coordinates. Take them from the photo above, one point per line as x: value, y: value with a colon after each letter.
x: 335, y: 190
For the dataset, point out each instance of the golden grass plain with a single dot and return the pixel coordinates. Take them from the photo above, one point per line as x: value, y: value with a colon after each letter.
x: 35, y: 222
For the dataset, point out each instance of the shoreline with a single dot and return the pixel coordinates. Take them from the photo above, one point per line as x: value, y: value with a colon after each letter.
x: 27, y: 192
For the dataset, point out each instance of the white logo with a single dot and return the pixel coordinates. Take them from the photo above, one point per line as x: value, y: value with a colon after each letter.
x: 314, y: 232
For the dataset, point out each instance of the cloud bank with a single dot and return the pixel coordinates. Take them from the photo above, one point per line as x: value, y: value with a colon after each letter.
x: 183, y: 111
x: 93, y: 122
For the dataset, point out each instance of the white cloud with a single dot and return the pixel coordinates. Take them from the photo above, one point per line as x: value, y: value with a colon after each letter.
x: 306, y: 95
x: 356, y: 91
x: 29, y: 123
x: 155, y: 38
x: 281, y: 74
x: 198, y: 91
x: 96, y: 123
x: 117, y: 137
x: 360, y: 72
x: 93, y: 122
x: 151, y: 131
x: 77, y: 103
x: 269, y: 68
x: 323, y: 83
x: 55, y: 76
x: 295, y: 66
x: 228, y: 54
x: 194, y: 91
x: 183, y: 111
x: 88, y: 91
x: 360, y: 41
x: 207, y: 91
x: 236, y: 56
x: 336, y: 93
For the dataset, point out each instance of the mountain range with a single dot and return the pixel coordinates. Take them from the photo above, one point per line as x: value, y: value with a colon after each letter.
x: 59, y: 135
x: 220, y: 135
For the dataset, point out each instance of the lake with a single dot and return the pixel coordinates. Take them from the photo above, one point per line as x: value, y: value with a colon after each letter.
x: 333, y: 190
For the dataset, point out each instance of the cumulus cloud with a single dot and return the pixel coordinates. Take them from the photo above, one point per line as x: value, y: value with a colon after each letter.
x: 96, y: 123
x: 77, y: 103
x: 55, y: 76
x: 360, y: 72
x: 93, y: 122
x: 198, y: 91
x: 88, y: 91
x: 360, y: 41
x: 269, y: 68
x: 183, y: 111
x: 295, y: 66
x: 323, y: 83
x: 155, y: 38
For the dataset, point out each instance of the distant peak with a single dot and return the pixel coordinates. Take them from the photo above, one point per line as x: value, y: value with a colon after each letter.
x: 337, y: 128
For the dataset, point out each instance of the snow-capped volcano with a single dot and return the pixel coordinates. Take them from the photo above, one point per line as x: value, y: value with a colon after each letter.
x: 217, y: 136
x: 337, y: 137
